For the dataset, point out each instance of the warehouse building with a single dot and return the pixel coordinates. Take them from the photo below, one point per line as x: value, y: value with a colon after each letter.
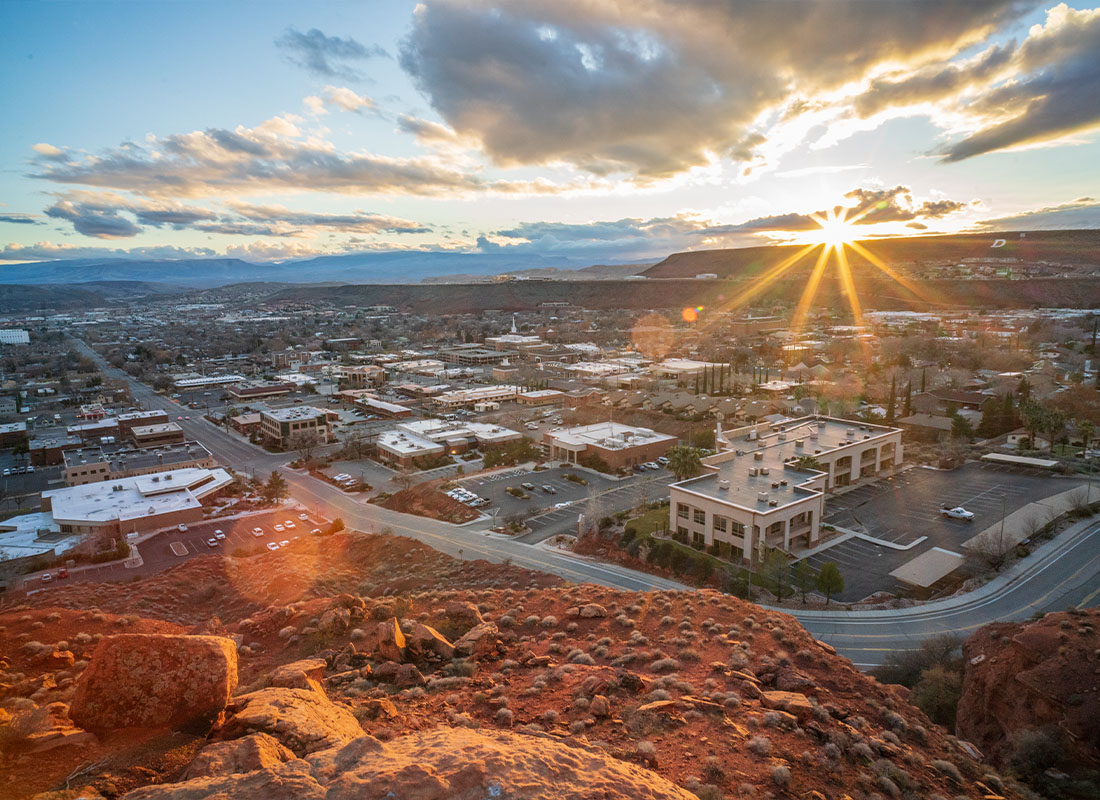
x: 619, y: 446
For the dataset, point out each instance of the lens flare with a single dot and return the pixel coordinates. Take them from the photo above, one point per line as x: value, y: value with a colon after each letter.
x: 690, y: 314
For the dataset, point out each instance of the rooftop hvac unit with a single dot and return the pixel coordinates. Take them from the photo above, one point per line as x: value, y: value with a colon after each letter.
x: 752, y: 435
x: 723, y: 484
x: 773, y: 503
x: 740, y: 452
x: 850, y: 433
x: 753, y: 472
x: 759, y: 456
x: 764, y: 470
x: 866, y: 436
x: 783, y: 482
x: 762, y: 497
x: 782, y: 436
x: 800, y: 443
x: 775, y: 484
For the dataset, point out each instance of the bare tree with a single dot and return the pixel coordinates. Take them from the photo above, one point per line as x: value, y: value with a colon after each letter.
x: 404, y: 478
x: 304, y: 444
x: 992, y: 547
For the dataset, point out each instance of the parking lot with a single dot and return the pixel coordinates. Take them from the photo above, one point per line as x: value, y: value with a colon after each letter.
x: 907, y: 507
x: 238, y: 533
x: 542, y: 507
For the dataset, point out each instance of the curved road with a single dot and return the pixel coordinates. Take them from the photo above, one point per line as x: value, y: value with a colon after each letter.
x: 1062, y: 572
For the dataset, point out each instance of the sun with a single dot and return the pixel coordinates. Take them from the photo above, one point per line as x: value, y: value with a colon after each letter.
x: 834, y: 230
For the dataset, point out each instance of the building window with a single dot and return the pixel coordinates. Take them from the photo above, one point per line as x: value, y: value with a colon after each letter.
x: 681, y: 511
x: 720, y: 524
x: 700, y: 516
x: 698, y: 539
x: 681, y: 533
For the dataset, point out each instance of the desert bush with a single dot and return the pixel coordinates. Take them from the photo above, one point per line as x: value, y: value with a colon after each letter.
x: 760, y: 745
x: 781, y: 775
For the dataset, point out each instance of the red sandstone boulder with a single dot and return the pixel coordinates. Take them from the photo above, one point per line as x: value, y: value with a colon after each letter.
x: 258, y: 751
x: 391, y: 641
x: 155, y: 680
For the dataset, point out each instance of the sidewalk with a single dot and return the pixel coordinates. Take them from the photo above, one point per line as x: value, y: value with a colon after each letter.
x: 1001, y: 582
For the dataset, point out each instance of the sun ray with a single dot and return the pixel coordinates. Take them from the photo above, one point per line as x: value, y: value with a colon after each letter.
x: 890, y: 272
x: 768, y: 278
x: 810, y: 290
x: 849, y: 286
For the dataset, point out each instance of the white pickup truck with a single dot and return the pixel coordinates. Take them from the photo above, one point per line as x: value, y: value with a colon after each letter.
x: 958, y: 512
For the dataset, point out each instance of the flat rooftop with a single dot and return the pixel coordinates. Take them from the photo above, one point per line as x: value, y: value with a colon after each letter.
x: 438, y: 430
x: 131, y: 458
x: 610, y: 436
x: 293, y: 414
x: 772, y: 450
x: 138, y: 497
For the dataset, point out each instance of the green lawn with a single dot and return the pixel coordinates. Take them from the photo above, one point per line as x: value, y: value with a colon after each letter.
x: 656, y: 519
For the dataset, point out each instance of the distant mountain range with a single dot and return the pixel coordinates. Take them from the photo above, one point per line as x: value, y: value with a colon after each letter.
x: 390, y: 267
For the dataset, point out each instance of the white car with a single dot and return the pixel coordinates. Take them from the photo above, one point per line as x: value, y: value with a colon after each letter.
x: 304, y: 517
x: 315, y: 532
x: 181, y: 528
x: 257, y: 531
x: 219, y: 535
x: 662, y: 460
x: 284, y: 543
x: 279, y: 528
x: 272, y: 546
x: 289, y: 524
x: 211, y: 542
x: 958, y: 512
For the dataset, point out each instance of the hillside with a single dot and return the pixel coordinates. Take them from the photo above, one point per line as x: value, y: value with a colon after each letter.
x: 878, y: 292
x: 1063, y: 247
x: 432, y: 679
x: 25, y: 298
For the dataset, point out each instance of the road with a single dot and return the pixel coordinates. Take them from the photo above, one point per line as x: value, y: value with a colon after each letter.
x: 1062, y: 572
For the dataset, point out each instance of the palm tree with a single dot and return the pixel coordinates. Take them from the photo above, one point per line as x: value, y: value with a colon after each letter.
x: 684, y: 462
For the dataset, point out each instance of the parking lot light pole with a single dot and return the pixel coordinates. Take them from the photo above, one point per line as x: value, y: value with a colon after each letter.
x: 1004, y: 498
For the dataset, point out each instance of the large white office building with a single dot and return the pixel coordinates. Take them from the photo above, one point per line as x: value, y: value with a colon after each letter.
x: 765, y: 487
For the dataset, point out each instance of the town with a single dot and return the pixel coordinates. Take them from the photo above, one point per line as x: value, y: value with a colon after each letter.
x: 911, y: 454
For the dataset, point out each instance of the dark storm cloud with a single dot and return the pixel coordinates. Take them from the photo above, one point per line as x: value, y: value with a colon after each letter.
x: 326, y: 56
x: 18, y: 219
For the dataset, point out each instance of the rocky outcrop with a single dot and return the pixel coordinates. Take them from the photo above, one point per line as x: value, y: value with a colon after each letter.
x: 249, y: 753
x: 479, y: 642
x: 303, y: 720
x: 391, y: 641
x: 304, y: 674
x: 426, y: 641
x: 1041, y: 675
x: 440, y: 764
x: 154, y: 680
x: 465, y: 614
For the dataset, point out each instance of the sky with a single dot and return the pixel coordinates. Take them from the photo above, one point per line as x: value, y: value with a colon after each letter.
x: 603, y: 131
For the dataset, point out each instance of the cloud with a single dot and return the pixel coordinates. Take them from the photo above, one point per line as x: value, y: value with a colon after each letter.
x: 326, y: 56
x: 101, y: 223
x: 865, y: 206
x: 50, y: 251
x: 273, y: 157
x: 1055, y: 94
x: 341, y: 97
x: 1081, y: 213
x: 48, y: 150
x: 18, y: 219
x: 111, y: 215
x: 655, y: 87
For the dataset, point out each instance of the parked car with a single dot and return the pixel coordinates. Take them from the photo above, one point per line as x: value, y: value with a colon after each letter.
x: 257, y: 531
x: 304, y: 517
x: 181, y: 528
x: 651, y: 465
x: 549, y: 489
x: 528, y: 486
x: 315, y: 532
x: 219, y: 535
x: 289, y: 524
x: 278, y: 528
x: 211, y: 542
x: 958, y: 512
x: 63, y: 572
x: 272, y: 546
x: 662, y: 460
x: 46, y: 577
x: 284, y: 543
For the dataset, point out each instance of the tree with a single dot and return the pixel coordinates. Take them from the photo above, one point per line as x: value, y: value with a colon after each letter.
x: 829, y: 581
x: 276, y: 488
x: 404, y: 478
x: 1086, y: 428
x: 937, y: 694
x: 804, y: 578
x: 892, y: 401
x: 907, y: 408
x: 684, y: 462
x: 776, y: 572
x: 304, y: 444
x: 961, y: 428
x: 993, y: 547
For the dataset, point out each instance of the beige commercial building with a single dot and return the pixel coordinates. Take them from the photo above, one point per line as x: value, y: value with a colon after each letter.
x: 282, y: 426
x: 765, y: 487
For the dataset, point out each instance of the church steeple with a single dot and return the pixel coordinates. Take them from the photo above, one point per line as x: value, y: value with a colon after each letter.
x: 514, y: 328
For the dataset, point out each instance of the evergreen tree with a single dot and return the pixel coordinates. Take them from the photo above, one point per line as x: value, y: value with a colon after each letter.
x: 829, y: 581
x: 805, y: 579
x: 923, y: 379
x: 907, y: 410
x: 892, y: 401
x: 276, y: 489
